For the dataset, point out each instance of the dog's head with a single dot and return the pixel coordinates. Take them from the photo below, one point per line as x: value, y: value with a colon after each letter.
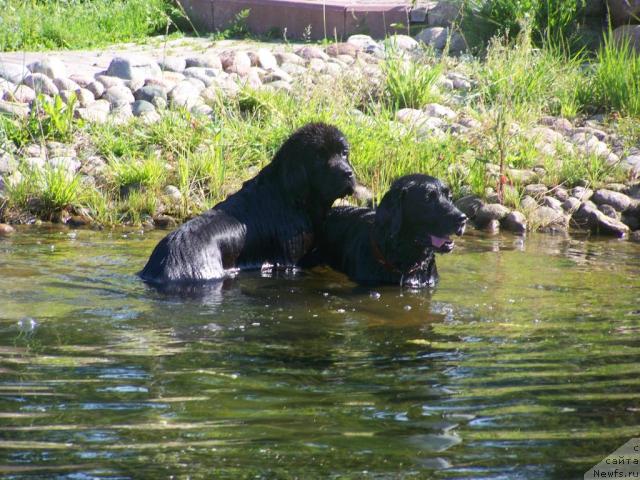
x: 416, y: 216
x: 314, y: 163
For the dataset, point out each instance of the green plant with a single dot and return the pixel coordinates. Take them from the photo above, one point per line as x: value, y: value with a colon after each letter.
x: 52, y: 120
x: 615, y: 84
x: 237, y: 28
x: 136, y: 173
x: 409, y: 84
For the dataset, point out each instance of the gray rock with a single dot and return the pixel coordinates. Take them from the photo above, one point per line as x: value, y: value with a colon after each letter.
x: 41, y: 83
x: 522, y: 176
x: 631, y: 218
x: 631, y: 163
x: 18, y: 110
x: 469, y: 205
x: 549, y: 220
x: 609, y: 211
x: 209, y: 60
x: 201, y: 109
x: 490, y: 211
x: 59, y: 149
x: 65, y: 84
x: 132, y: 67
x: 277, y: 74
x: 341, y: 49
x: 435, y: 37
x: 624, y: 11
x: 84, y: 97
x: 66, y: 96
x: 317, y: 65
x: 109, y: 81
x: 185, y: 94
x: 617, y: 200
x: 635, y: 236
x: 13, y: 73
x: 561, y: 193
x: 205, y: 75
x: 266, y: 59
x: 571, y: 204
x: 121, y: 114
x: 288, y: 57
x: 439, y: 111
x: 585, y: 215
x: 8, y: 164
x: 310, y: 52
x: 443, y: 13
x: 292, y: 68
x: 96, y: 88
x: 21, y: 94
x: 164, y: 221
x: 236, y: 62
x: 173, y: 194
x: 142, y: 107
x: 402, y: 43
x: 362, y: 41
x: 119, y: 96
x: 92, y: 114
x: 551, y: 202
x: 69, y: 164
x: 514, y: 222
x: 581, y: 193
x: 609, y: 226
x: 528, y: 203
x: 536, y: 189
x: 279, y: 85
x: 175, y: 64
x: 151, y: 93
x: 492, y: 226
x: 51, y: 67
x: 134, y: 84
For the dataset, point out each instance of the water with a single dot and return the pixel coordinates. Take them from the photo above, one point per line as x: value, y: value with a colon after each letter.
x: 522, y: 364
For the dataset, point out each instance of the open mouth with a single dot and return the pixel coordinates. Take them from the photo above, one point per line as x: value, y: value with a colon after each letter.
x: 442, y: 244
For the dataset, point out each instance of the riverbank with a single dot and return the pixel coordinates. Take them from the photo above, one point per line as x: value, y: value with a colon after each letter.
x: 154, y: 137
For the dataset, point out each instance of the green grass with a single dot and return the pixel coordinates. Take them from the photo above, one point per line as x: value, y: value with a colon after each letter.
x: 410, y: 84
x: 73, y: 24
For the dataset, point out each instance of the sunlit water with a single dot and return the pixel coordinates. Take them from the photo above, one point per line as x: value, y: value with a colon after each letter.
x: 522, y: 364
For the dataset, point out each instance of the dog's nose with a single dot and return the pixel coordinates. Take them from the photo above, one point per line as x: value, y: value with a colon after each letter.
x: 462, y: 223
x: 462, y: 218
x: 349, y: 174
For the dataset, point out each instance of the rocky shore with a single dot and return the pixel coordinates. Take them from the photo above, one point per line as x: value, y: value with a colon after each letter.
x: 147, y: 87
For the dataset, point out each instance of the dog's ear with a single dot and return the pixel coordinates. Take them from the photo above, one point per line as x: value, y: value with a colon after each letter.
x: 389, y: 213
x: 290, y: 165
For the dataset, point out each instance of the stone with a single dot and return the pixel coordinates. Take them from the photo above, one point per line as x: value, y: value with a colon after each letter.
x: 631, y: 217
x: 119, y: 96
x: 402, y: 43
x: 18, y: 110
x: 292, y: 68
x: 345, y: 48
x: 121, y: 114
x: 84, y: 97
x: 570, y: 205
x: 266, y: 59
x: 609, y: 211
x: 536, y: 189
x: 205, y: 75
x: 317, y: 65
x: 59, y: 149
x: 362, y: 42
x: 175, y: 64
x: 236, y: 62
x: 253, y: 79
x: 109, y: 81
x: 551, y: 202
x: 623, y: 12
x: 150, y: 93
x: 435, y: 37
x: 21, y: 94
x: 469, y: 205
x: 528, y: 203
x: 50, y: 66
x: 41, y: 83
x: 277, y: 74
x: 69, y: 164
x: 201, y: 109
x: 134, y: 84
x: 288, y: 57
x: 92, y: 114
x: 279, y: 85
x: 631, y: 163
x: 96, y: 88
x: 561, y: 193
x: 522, y: 176
x: 131, y: 67
x: 13, y: 73
x: 635, y: 236
x: 6, y: 230
x: 617, y: 200
x: 8, y: 163
x: 439, y: 111
x: 142, y: 107
x: 547, y: 219
x: 185, y: 94
x: 514, y: 222
x: 490, y: 211
x: 443, y: 13
x: 311, y: 52
x: 628, y: 35
x: 585, y: 215
x: 164, y: 221
x: 209, y: 60
x: 77, y: 221
x: 173, y: 194
x: 581, y: 193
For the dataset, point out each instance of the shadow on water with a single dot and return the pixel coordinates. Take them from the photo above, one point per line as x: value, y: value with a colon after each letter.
x: 522, y: 364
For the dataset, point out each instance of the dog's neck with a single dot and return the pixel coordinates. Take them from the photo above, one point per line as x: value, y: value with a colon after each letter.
x: 381, y: 250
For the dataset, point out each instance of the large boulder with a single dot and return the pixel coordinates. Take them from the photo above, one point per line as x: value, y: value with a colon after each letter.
x: 624, y: 11
x: 131, y: 67
x: 628, y: 34
x: 617, y: 200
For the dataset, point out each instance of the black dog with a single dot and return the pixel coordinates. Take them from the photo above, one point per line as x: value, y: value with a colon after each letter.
x: 272, y: 219
x: 397, y: 242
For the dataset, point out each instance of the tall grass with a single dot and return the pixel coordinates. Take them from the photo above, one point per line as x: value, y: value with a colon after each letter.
x: 67, y: 24
x: 409, y: 84
x: 616, y: 77
x: 537, y: 80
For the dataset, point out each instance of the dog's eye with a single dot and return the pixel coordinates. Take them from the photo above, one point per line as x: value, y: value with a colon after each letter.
x: 345, y: 152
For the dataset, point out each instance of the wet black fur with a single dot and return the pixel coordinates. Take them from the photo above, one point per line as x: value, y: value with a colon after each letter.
x: 415, y: 207
x: 271, y: 219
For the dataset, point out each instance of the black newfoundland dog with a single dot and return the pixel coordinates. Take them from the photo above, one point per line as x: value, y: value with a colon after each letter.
x: 271, y: 220
x: 397, y: 242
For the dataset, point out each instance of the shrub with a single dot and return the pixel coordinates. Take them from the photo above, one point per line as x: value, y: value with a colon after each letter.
x: 409, y: 84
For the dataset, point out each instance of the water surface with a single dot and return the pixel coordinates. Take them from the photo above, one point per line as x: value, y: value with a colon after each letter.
x: 522, y: 364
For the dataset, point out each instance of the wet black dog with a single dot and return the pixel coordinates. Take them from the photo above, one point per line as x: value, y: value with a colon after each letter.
x: 272, y: 219
x: 397, y: 242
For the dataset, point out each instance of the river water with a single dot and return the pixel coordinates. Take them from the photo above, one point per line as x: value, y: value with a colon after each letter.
x: 522, y: 364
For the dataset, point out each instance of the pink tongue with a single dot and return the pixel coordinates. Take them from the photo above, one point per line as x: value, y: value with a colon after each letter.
x: 438, y: 241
